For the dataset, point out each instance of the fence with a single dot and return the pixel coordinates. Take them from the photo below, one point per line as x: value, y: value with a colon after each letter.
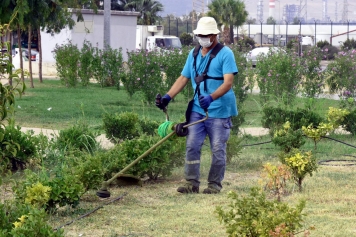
x: 276, y: 34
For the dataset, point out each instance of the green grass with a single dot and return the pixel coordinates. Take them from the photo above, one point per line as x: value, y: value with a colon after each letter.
x: 51, y: 105
x: 156, y: 209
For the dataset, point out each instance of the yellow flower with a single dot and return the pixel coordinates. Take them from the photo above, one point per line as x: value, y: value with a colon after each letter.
x: 17, y: 224
x: 23, y: 218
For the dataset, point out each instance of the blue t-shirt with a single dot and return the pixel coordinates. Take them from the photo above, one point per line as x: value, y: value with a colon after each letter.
x: 223, y: 63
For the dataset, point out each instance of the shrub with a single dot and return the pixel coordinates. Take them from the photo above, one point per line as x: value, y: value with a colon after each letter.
x: 144, y: 74
x: 330, y: 52
x: 255, y: 216
x: 85, y: 69
x: 300, y: 164
x: 275, y: 117
x: 17, y: 147
x: 349, y: 44
x: 321, y: 44
x: 107, y: 66
x: 349, y: 123
x: 293, y: 45
x: 67, y: 62
x: 121, y: 126
x: 65, y: 187
x: 238, y: 120
x: 341, y: 74
x: 148, y: 126
x: 186, y: 39
x: 233, y: 147
x: 78, y: 137
x: 279, y: 76
x: 276, y: 178
x: 313, y: 82
x: 89, y: 171
x: 245, y: 44
x: 18, y: 220
x: 173, y: 64
x: 287, y: 138
x: 160, y: 162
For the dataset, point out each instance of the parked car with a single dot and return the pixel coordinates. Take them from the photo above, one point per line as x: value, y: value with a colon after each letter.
x: 34, y: 54
x: 5, y: 56
x: 253, y: 54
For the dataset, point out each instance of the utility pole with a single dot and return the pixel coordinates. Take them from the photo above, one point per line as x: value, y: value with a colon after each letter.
x: 107, y: 16
x: 198, y: 6
x: 345, y: 11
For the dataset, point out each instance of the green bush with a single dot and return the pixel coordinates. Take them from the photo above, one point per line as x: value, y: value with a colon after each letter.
x: 160, y: 162
x: 293, y: 45
x: 85, y: 71
x: 349, y: 123
x: 233, y: 147
x: 349, y: 44
x: 148, y: 126
x: 19, y: 220
x: 67, y: 60
x: 300, y: 163
x: 279, y: 76
x: 321, y: 44
x: 313, y: 82
x: 172, y: 67
x: 245, y: 44
x: 121, y: 126
x: 186, y: 39
x: 341, y: 73
x: 287, y: 138
x: 17, y: 147
x: 275, y: 117
x: 77, y: 137
x: 237, y: 121
x: 65, y: 187
x: 107, y: 66
x: 255, y: 216
x: 90, y: 171
x: 144, y: 74
x: 330, y: 52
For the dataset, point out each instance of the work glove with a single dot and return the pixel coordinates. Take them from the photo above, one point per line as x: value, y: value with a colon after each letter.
x: 205, y: 101
x: 162, y: 102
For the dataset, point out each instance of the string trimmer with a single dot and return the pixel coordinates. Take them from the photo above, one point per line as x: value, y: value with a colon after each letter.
x: 179, y: 128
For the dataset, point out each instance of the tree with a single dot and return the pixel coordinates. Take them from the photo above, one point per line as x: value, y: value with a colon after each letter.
x: 271, y: 21
x: 251, y: 21
x: 148, y: 9
x: 296, y: 21
x: 229, y: 13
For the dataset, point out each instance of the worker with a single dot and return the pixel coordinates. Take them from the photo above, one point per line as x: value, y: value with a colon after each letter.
x: 212, y: 81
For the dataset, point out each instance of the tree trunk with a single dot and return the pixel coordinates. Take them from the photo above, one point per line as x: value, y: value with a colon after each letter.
x: 300, y: 180
x: 226, y: 35
x: 232, y: 34
x: 40, y: 55
x: 10, y: 57
x: 29, y: 55
x: 20, y: 52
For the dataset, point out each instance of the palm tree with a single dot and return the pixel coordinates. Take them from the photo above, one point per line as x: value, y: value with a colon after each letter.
x: 148, y: 9
x: 228, y: 13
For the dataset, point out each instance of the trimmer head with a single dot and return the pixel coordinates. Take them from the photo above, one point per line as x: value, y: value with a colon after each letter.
x: 103, y: 193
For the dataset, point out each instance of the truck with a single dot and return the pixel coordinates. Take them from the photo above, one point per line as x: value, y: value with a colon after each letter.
x: 150, y: 38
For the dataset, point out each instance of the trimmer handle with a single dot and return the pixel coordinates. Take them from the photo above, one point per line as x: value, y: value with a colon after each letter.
x: 158, y: 99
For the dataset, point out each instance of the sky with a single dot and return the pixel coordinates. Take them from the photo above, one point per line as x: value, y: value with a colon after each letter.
x: 314, y: 7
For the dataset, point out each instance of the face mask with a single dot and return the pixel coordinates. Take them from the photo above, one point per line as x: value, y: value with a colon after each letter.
x: 205, y: 42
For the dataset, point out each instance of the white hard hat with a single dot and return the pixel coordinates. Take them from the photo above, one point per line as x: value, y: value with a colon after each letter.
x: 206, y: 26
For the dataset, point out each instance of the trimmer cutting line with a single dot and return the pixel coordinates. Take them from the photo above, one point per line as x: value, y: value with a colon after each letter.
x: 180, y: 128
